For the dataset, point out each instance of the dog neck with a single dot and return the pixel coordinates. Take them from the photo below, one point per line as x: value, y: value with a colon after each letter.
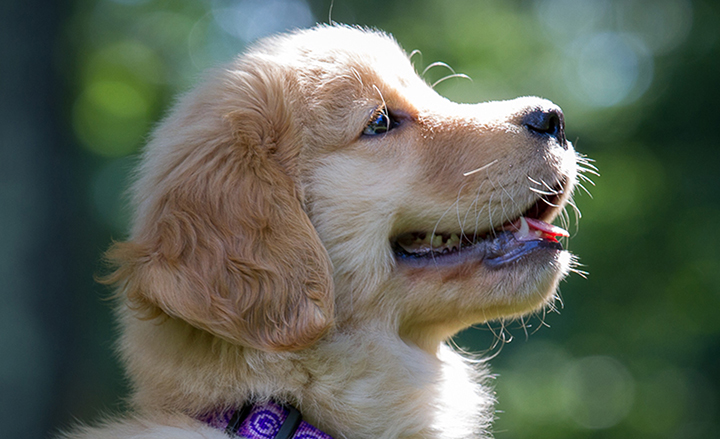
x: 268, y: 420
x: 427, y: 395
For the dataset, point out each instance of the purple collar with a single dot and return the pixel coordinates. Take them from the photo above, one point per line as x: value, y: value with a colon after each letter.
x: 268, y: 420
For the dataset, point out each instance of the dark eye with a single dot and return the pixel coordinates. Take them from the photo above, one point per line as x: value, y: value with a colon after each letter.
x: 381, y: 123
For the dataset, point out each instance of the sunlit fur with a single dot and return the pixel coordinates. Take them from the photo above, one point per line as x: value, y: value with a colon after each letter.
x: 259, y: 263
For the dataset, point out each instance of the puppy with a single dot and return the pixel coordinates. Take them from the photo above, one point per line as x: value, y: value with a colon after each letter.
x: 311, y: 224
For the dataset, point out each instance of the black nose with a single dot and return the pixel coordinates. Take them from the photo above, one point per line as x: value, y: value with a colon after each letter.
x: 547, y: 122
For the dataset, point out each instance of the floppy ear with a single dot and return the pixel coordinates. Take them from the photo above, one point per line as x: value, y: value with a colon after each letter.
x: 220, y: 237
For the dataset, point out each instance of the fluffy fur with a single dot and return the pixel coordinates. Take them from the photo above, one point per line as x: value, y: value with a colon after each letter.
x: 260, y: 262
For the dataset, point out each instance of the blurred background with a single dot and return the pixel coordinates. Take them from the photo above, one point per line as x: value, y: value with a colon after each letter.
x: 634, y: 351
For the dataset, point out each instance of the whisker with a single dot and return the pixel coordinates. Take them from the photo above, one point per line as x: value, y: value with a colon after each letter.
x: 580, y: 185
x: 357, y: 76
x: 470, y: 207
x: 581, y: 273
x: 330, y: 20
x: 586, y: 162
x: 454, y: 75
x: 384, y: 109
x: 538, y: 191
x: 490, y: 204
x: 490, y: 221
x: 533, y: 180
x: 481, y: 168
x: 502, y: 205
x: 550, y: 188
x: 572, y: 204
x: 549, y: 203
x: 586, y: 179
x: 382, y: 98
x: 564, y: 218
x: 437, y: 64
x: 461, y: 223
x: 497, y: 337
x: 478, y: 212
x: 524, y: 327
x: 412, y: 55
x: 542, y: 320
x: 594, y: 171
x: 558, y: 298
x: 585, y: 168
x: 504, y: 216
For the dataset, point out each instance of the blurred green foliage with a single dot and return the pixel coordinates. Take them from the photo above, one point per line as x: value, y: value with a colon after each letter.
x: 635, y: 348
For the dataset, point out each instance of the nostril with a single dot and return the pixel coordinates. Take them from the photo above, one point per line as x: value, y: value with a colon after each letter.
x: 546, y: 121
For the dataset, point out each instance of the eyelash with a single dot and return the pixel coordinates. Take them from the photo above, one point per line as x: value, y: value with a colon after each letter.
x: 380, y: 123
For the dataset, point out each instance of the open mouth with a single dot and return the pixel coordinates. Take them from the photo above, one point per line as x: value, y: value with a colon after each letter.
x: 495, y: 248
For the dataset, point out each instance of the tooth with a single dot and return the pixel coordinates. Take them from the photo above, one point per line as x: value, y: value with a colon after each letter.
x: 454, y: 241
x: 524, y: 228
x: 436, y: 241
x: 524, y: 233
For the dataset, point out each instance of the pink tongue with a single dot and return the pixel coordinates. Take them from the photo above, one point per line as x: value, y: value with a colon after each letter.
x: 546, y: 229
x: 534, y: 229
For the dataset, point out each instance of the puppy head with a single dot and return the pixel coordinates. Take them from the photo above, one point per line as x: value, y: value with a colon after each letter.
x: 325, y: 145
x: 421, y: 201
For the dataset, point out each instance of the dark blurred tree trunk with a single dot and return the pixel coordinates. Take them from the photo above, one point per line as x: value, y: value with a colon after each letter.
x: 36, y: 212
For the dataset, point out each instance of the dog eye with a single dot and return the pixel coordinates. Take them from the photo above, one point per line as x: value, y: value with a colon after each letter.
x: 381, y: 122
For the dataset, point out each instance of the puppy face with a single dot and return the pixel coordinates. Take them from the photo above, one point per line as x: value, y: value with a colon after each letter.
x: 418, y: 199
x: 318, y: 181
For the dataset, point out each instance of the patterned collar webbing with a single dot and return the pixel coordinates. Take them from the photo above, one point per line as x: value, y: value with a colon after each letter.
x: 268, y: 420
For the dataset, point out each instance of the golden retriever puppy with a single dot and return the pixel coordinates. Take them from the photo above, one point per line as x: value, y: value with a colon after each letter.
x: 311, y: 224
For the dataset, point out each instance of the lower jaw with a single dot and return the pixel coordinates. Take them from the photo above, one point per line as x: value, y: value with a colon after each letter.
x: 495, y: 253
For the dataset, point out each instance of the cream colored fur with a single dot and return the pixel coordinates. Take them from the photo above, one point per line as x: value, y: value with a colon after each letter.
x: 260, y: 266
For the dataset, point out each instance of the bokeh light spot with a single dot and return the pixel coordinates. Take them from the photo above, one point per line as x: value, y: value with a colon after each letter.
x: 602, y: 394
x: 533, y: 387
x: 609, y: 68
x: 110, y: 118
x: 252, y: 19
x: 661, y: 24
x: 664, y: 397
x: 117, y: 98
x: 124, y: 59
x: 209, y: 45
x: 566, y: 20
